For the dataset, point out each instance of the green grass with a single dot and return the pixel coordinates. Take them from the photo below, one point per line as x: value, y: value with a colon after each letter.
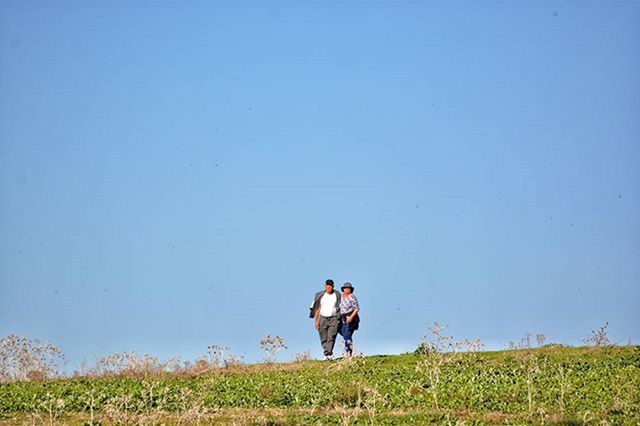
x: 561, y: 385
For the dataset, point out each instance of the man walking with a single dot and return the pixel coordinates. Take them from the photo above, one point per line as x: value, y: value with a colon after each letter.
x: 325, y: 309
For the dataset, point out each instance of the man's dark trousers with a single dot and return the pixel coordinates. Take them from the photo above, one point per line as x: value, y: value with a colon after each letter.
x: 328, y: 331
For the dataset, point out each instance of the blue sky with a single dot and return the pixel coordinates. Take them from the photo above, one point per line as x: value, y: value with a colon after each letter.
x: 179, y: 174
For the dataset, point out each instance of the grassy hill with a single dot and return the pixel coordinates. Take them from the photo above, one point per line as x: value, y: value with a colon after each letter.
x: 546, y: 385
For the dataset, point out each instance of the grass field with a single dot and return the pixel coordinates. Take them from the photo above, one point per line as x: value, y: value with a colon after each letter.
x: 554, y: 385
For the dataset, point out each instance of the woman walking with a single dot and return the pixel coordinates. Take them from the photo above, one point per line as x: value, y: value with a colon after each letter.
x: 349, y: 319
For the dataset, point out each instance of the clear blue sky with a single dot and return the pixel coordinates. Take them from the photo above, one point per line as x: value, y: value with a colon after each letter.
x: 178, y: 174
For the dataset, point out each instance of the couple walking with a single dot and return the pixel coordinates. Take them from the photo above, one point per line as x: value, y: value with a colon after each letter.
x: 335, y: 313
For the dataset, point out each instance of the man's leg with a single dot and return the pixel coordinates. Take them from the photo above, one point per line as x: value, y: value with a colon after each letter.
x: 322, y: 331
x: 332, y: 332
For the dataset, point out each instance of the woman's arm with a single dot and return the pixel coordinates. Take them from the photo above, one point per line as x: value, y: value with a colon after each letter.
x: 355, y: 311
x: 353, y: 315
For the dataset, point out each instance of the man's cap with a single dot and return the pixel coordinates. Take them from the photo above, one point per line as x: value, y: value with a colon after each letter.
x: 346, y: 285
x: 329, y: 282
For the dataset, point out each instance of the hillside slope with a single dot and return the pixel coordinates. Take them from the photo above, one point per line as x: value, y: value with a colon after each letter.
x: 544, y: 385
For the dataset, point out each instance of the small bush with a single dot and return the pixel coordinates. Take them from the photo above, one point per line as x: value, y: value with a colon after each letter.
x: 28, y: 359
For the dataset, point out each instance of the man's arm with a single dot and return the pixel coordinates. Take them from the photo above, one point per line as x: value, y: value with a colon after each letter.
x: 317, y: 318
x: 314, y: 306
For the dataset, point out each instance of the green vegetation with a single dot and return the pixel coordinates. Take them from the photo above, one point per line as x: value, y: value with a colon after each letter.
x: 545, y: 385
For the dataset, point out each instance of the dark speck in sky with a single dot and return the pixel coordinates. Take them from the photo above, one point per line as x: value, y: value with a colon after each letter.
x: 555, y: 13
x: 619, y: 196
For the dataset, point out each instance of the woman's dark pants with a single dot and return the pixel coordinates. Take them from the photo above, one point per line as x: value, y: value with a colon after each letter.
x: 347, y: 332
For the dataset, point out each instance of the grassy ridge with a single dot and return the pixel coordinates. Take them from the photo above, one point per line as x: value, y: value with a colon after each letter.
x: 548, y: 384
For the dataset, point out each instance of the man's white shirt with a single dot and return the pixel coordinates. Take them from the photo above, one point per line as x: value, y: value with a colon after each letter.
x: 328, y: 304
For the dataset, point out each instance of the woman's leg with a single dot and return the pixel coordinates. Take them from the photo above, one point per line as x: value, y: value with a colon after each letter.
x: 346, y: 333
x: 351, y: 331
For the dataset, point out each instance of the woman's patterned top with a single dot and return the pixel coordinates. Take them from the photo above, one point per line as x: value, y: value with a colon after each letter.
x: 348, y: 304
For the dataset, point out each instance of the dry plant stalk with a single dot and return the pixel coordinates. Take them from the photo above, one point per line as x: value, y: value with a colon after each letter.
x: 118, y: 410
x: 599, y: 337
x: 303, y: 356
x: 370, y: 400
x: 128, y: 364
x: 435, y: 352
x: 272, y: 345
x: 216, y: 355
x: 540, y: 339
x: 53, y: 406
x: 563, y: 385
x: 346, y: 414
x: 528, y: 361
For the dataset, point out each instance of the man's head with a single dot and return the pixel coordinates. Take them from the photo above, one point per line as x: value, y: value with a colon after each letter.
x: 328, y: 286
